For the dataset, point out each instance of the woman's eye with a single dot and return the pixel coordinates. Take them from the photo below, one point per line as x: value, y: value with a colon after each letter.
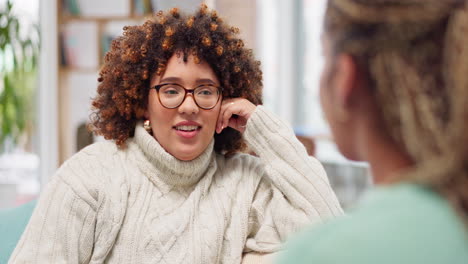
x: 171, y: 91
x: 205, y: 92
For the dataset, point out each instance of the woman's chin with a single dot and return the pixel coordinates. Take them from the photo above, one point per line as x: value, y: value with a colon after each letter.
x: 186, y: 158
x: 187, y: 154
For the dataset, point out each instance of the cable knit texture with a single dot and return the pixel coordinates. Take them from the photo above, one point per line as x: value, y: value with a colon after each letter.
x: 142, y: 205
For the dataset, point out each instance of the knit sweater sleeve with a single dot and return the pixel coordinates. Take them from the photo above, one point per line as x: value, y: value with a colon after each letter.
x: 75, y: 220
x: 293, y: 190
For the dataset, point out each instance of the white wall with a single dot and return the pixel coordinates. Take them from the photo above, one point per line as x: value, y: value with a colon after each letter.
x: 48, y: 83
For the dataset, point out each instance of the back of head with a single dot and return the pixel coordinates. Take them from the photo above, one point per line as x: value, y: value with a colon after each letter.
x: 415, y: 54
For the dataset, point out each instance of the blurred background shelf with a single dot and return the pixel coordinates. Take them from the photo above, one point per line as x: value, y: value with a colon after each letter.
x: 86, y: 30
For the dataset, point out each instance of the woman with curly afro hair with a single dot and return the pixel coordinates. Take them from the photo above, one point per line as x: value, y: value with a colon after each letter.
x: 179, y: 98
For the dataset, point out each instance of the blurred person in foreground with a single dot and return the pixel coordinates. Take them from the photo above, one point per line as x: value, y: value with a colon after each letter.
x: 395, y: 92
x: 178, y: 100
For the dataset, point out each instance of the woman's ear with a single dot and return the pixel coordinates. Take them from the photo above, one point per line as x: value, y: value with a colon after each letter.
x: 346, y: 80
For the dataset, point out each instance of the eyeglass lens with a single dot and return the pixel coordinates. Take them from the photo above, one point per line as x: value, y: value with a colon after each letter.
x: 172, y: 95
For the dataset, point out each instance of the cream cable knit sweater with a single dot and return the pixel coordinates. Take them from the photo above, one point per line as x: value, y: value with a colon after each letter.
x: 142, y: 205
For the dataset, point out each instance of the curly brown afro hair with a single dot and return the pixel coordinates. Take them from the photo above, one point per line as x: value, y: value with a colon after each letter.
x: 122, y: 95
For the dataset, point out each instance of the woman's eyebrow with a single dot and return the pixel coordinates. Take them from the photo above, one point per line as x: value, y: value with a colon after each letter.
x: 171, y: 79
x: 180, y: 81
x: 205, y: 81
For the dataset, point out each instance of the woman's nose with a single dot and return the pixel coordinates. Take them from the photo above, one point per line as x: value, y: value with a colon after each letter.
x: 188, y: 106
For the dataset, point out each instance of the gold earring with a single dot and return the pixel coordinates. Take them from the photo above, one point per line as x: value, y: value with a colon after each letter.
x: 147, y: 126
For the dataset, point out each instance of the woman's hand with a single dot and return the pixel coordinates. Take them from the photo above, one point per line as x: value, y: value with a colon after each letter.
x: 234, y: 113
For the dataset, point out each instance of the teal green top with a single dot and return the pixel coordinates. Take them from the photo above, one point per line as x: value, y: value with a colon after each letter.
x: 403, y: 223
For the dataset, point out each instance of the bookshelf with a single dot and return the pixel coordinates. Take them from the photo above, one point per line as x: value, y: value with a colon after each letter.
x: 86, y: 28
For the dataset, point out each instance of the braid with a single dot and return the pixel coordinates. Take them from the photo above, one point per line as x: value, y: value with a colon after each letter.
x: 416, y: 54
x: 455, y: 187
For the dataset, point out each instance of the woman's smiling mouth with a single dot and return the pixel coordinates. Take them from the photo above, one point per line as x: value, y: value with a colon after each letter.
x: 187, y: 129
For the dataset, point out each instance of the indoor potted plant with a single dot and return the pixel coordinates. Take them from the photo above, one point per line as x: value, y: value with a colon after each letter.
x: 18, y: 64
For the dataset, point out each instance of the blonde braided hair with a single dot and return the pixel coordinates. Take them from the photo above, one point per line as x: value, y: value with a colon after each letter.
x: 416, y: 56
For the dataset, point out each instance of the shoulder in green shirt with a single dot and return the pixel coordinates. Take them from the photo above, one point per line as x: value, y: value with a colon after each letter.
x: 403, y: 223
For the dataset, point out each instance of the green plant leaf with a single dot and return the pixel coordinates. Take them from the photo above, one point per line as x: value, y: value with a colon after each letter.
x: 18, y: 63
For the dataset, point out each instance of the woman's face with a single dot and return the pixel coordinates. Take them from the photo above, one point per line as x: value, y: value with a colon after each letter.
x: 185, y: 131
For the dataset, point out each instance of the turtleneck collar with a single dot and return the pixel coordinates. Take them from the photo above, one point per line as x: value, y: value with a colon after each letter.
x: 168, y: 168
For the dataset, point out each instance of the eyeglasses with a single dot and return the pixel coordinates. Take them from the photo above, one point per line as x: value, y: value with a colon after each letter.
x: 172, y: 95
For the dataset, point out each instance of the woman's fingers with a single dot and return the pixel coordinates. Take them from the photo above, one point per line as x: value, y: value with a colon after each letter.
x: 228, y: 112
x: 234, y: 113
x: 224, y: 115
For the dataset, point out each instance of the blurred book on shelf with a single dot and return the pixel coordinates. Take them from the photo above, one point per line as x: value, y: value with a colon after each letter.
x: 142, y: 7
x: 79, y: 45
x: 113, y: 29
x: 71, y: 7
